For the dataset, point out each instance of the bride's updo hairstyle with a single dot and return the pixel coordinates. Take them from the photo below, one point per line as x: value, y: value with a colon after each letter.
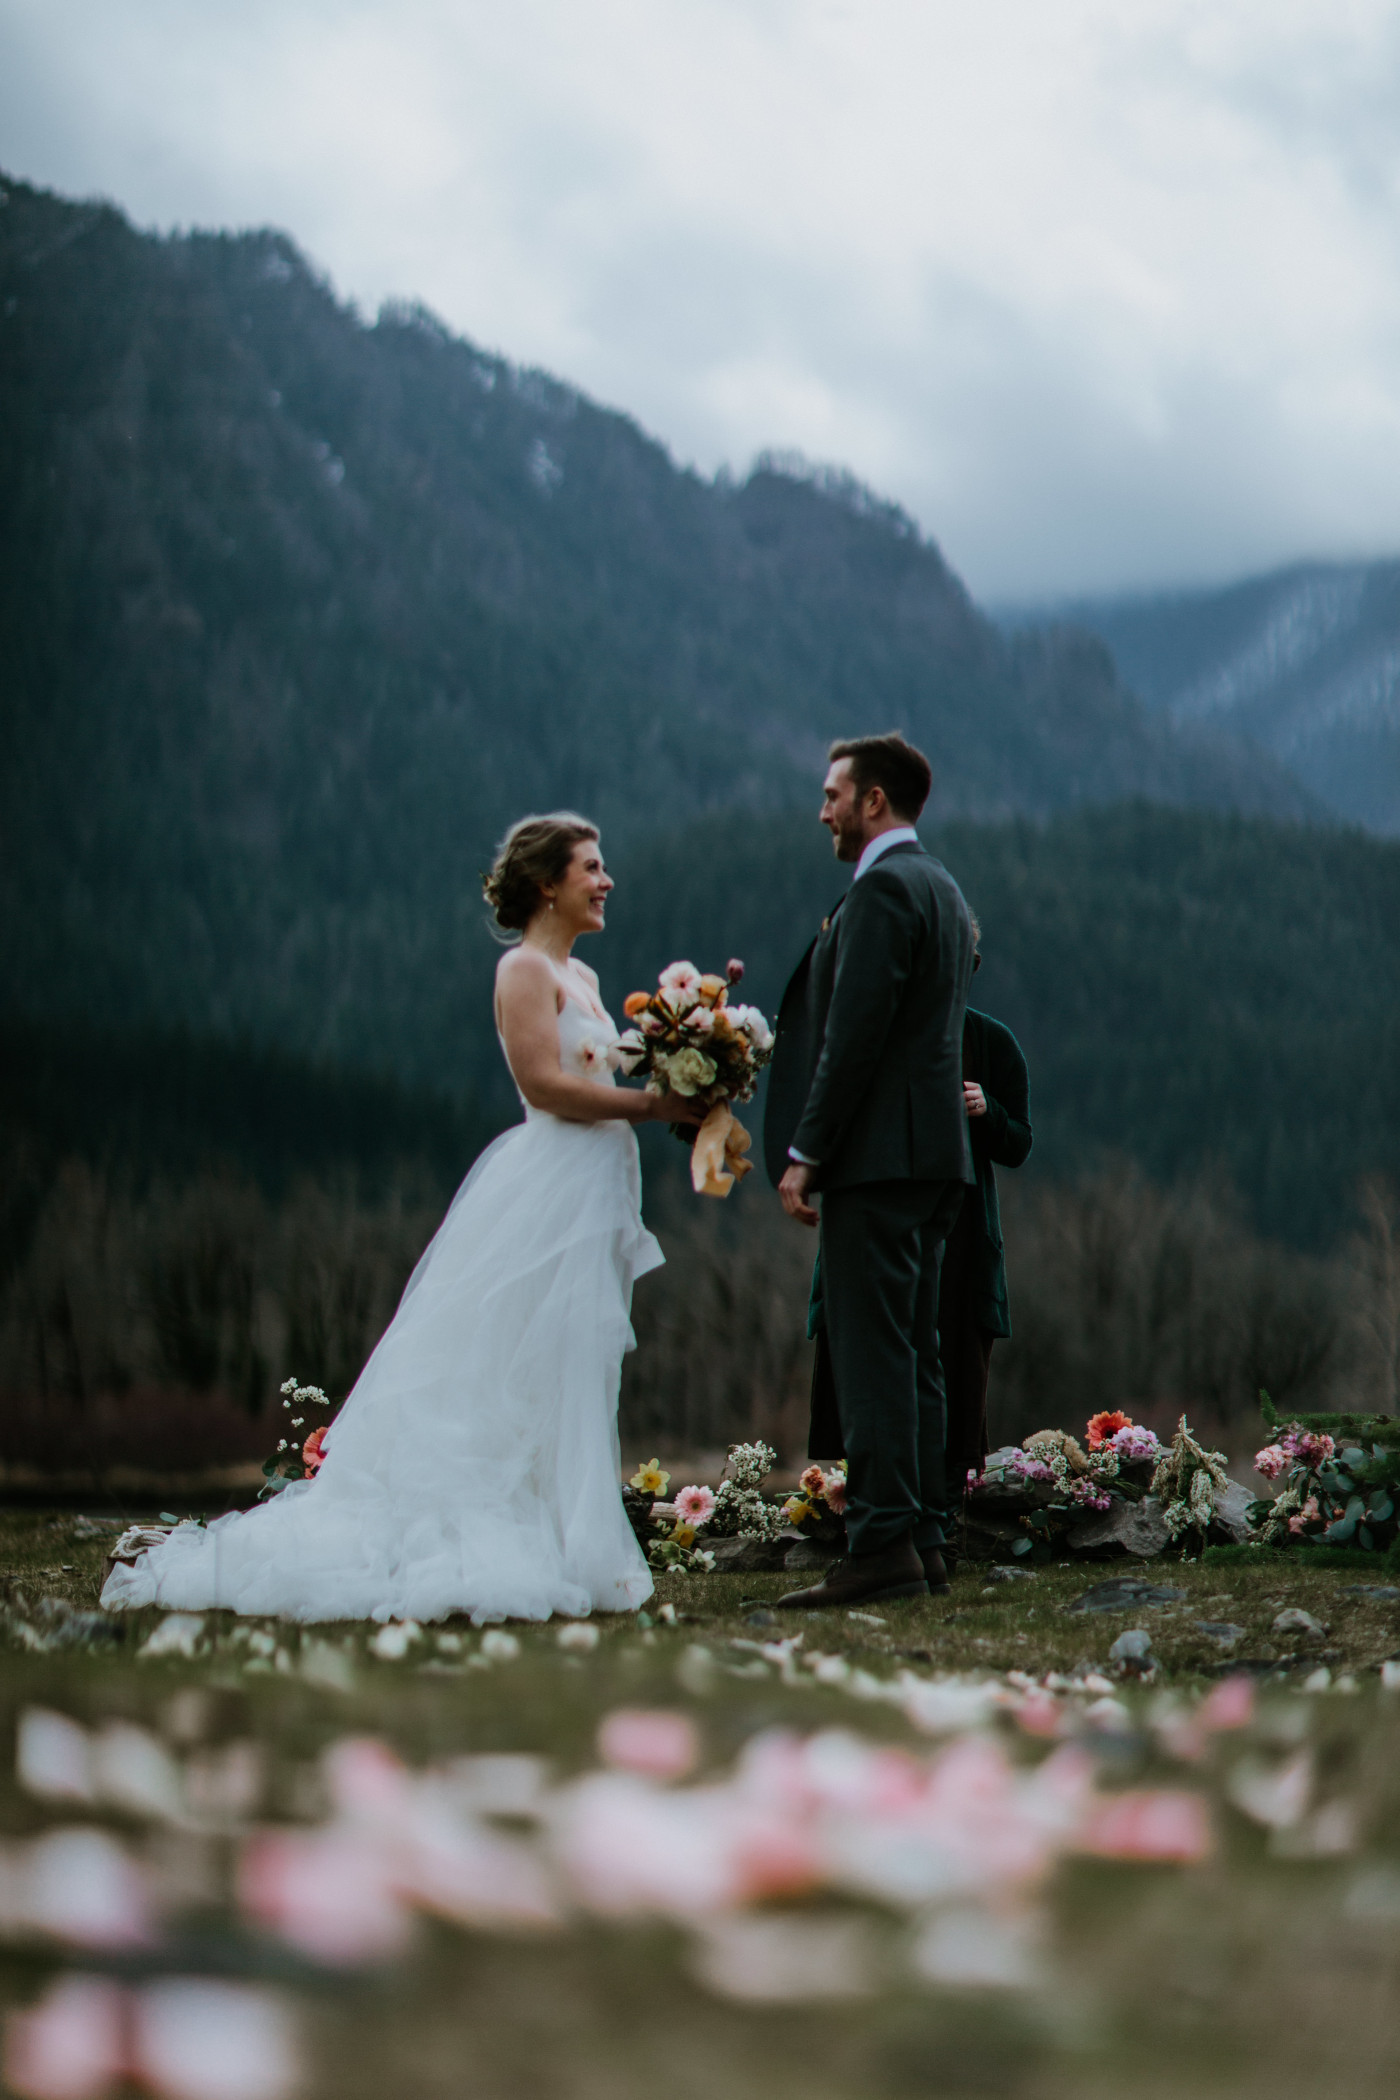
x: 533, y: 852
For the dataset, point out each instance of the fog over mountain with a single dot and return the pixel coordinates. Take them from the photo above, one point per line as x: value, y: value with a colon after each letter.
x: 1304, y: 661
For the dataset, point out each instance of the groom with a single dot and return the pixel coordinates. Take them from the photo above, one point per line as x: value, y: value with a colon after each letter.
x: 865, y: 1106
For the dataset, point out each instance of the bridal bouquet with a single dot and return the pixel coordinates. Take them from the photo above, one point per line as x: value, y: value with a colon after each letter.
x: 686, y: 1038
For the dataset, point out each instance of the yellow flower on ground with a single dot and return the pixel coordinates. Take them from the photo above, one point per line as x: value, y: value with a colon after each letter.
x: 683, y: 1534
x: 649, y: 1479
x: 797, y: 1509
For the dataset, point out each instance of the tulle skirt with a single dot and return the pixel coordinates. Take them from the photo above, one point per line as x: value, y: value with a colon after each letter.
x: 475, y: 1466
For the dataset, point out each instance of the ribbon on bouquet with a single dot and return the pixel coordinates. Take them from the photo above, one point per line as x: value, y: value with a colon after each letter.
x: 717, y: 1159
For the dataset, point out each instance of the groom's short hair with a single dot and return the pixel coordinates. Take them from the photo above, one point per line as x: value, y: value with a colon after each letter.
x: 888, y: 762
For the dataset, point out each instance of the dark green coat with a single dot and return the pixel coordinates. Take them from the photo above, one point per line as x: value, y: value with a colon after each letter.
x: 867, y: 1067
x: 1002, y: 1138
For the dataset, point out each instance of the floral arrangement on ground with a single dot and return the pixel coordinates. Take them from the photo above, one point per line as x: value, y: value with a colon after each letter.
x: 296, y: 1458
x: 1340, y: 1482
x: 1120, y: 1490
x: 669, y: 1531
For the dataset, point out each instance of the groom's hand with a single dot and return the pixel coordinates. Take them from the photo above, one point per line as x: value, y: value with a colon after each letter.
x: 792, y: 1190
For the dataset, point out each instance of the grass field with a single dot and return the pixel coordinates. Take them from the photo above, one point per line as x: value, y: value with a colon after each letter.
x: 1249, y: 1942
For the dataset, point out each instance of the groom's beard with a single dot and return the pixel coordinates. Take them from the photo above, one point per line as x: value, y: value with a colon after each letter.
x: 848, y: 840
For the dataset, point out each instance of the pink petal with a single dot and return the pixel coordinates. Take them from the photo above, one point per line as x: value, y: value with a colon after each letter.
x: 654, y: 1742
x: 70, y: 2046
x: 332, y: 1893
x: 1151, y: 1824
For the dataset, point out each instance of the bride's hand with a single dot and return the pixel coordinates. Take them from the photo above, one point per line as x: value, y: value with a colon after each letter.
x: 677, y: 1108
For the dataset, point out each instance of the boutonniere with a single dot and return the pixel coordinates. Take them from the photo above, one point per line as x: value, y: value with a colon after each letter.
x: 826, y: 922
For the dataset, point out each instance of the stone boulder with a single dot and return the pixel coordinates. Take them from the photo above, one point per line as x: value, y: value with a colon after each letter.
x: 1135, y: 1528
x: 748, y: 1556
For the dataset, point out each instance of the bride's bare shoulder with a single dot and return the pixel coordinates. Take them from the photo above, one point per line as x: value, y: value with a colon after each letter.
x: 524, y: 973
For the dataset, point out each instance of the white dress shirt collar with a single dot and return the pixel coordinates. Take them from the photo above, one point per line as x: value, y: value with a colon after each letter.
x: 901, y: 835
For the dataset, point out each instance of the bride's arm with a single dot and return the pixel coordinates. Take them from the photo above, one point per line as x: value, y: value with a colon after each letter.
x: 527, y: 1005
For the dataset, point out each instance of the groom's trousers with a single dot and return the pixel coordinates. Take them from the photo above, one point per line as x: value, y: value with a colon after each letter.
x: 882, y: 1246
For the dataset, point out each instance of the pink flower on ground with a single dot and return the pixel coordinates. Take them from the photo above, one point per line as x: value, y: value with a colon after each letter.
x: 313, y: 1450
x: 650, y: 1741
x: 835, y: 1491
x: 1308, y: 1446
x: 1271, y: 1461
x: 696, y: 1505
x: 1308, y: 1514
x: 813, y: 1481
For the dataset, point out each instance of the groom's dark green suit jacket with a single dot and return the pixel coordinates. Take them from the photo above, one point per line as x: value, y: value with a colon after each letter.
x: 866, y: 1076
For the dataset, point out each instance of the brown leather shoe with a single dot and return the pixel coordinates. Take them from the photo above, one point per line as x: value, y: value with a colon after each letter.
x: 937, y: 1574
x: 896, y: 1571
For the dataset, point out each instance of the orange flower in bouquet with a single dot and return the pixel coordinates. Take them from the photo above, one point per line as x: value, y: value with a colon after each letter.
x: 313, y: 1450
x: 1102, y: 1428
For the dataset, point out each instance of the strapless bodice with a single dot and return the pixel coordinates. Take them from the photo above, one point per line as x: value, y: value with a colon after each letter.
x: 587, y: 1049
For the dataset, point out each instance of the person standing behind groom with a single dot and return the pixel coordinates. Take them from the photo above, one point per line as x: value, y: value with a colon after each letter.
x: 866, y: 1108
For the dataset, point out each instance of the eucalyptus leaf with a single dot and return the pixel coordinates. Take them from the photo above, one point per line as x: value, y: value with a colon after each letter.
x: 1365, y: 1540
x: 1353, y: 1456
x: 1356, y: 1508
x: 1337, y: 1534
x: 1020, y: 1546
x: 1381, y: 1506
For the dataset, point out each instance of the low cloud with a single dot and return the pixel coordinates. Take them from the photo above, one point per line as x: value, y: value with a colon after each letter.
x: 1105, y: 297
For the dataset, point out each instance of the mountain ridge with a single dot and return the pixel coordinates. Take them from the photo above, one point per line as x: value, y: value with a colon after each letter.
x: 1303, y: 660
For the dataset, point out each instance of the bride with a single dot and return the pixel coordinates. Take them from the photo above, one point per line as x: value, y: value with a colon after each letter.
x: 475, y: 1466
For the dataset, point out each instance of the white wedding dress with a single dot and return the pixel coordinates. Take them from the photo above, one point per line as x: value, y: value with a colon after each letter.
x: 475, y: 1467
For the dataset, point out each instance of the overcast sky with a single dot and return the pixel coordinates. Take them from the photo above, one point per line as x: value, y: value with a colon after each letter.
x: 1104, y: 291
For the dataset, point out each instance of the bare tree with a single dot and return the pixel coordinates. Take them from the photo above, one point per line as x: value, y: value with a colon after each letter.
x: 1377, y: 1271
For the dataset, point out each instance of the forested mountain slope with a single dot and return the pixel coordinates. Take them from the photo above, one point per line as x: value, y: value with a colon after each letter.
x: 1196, y: 992
x: 1193, y: 992
x: 295, y: 612
x: 1305, y: 661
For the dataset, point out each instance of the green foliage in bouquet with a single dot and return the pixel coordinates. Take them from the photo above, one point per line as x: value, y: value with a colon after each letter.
x: 1186, y: 1480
